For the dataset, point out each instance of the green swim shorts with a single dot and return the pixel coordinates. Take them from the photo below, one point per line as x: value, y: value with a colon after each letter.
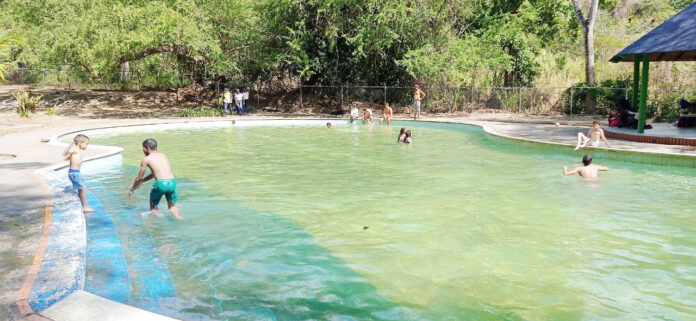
x: 166, y: 187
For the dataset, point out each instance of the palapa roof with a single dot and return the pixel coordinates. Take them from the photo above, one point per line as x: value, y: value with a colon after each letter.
x: 673, y: 40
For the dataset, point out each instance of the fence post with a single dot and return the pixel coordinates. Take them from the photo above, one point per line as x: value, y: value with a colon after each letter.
x: 385, y: 92
x: 341, y: 96
x: 519, y: 107
x: 472, y: 97
x: 572, y: 91
x: 301, y: 104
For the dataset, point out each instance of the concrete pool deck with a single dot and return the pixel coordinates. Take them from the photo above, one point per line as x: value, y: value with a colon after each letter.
x: 23, y: 199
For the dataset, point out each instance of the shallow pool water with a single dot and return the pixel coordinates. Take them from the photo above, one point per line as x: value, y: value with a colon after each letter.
x: 302, y: 222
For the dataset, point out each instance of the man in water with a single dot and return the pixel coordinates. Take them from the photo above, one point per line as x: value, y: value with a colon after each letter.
x: 592, y: 138
x: 587, y: 170
x: 165, y: 183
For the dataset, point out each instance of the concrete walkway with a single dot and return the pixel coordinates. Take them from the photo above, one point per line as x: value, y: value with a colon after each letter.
x: 22, y: 198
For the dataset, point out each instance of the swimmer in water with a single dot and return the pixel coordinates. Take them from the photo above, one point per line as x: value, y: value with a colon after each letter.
x: 328, y: 125
x: 587, y: 171
x: 402, y: 135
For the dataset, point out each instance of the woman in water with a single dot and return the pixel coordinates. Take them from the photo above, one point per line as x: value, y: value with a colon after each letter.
x: 402, y: 135
x: 407, y: 140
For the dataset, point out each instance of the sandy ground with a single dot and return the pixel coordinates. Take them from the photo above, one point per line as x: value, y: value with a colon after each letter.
x: 21, y: 150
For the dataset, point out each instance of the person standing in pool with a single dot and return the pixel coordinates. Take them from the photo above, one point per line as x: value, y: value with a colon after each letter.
x: 587, y: 170
x: 592, y: 138
x: 407, y: 139
x: 165, y: 183
x: 387, y: 114
x: 402, y: 135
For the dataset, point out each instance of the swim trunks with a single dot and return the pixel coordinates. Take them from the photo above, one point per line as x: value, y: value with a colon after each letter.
x: 166, y: 187
x: 417, y: 104
x: 76, y: 179
x: 591, y: 144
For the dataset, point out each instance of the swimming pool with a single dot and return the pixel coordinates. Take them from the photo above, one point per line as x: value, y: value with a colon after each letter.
x: 294, y: 221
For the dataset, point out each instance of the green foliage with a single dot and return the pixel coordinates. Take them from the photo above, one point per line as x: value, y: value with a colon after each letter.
x: 51, y: 111
x: 200, y: 112
x: 7, y: 43
x: 27, y: 103
x: 605, y: 95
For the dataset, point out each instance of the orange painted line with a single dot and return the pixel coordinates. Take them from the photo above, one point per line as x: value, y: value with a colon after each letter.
x: 22, y: 303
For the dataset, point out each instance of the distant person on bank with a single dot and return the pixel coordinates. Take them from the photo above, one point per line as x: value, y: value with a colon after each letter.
x: 593, y: 136
x: 418, y: 96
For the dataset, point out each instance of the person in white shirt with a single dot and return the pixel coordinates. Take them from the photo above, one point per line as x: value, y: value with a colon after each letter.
x: 245, y: 93
x: 238, y: 100
x: 354, y: 113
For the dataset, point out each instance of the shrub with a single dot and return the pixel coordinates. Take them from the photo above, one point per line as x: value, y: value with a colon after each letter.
x: 200, y: 112
x: 27, y: 103
x: 605, y: 95
x: 51, y: 111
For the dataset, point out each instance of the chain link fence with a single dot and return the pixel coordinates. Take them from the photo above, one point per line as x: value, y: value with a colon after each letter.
x: 662, y: 104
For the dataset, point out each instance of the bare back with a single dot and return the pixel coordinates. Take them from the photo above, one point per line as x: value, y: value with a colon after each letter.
x: 590, y: 171
x: 159, y: 165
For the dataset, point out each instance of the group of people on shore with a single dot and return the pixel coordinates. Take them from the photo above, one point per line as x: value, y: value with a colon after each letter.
x: 240, y: 98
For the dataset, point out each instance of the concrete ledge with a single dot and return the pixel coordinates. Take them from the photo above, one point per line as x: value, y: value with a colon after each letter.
x: 651, y: 139
x: 92, y: 307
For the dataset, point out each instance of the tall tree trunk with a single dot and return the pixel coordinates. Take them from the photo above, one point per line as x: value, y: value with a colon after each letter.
x: 125, y: 71
x: 588, y: 37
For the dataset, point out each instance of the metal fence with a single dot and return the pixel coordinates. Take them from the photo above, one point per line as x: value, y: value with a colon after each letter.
x: 662, y: 103
x: 528, y: 100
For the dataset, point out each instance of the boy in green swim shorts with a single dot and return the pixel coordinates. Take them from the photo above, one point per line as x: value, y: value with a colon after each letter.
x: 165, y: 183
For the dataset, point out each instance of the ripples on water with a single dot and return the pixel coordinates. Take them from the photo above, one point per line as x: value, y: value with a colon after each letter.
x: 297, y: 223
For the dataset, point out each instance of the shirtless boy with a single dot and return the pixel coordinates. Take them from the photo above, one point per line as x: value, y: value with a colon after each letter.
x: 74, y: 154
x: 418, y: 95
x: 587, y: 170
x: 592, y: 138
x: 165, y: 183
x: 387, y: 114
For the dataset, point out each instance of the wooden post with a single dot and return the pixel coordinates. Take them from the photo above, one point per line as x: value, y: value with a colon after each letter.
x: 301, y: 106
x: 643, y: 93
x: 572, y: 91
x: 385, y: 93
x: 341, y: 96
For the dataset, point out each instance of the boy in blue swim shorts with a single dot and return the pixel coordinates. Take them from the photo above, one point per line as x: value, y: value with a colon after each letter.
x: 165, y: 183
x: 74, y: 154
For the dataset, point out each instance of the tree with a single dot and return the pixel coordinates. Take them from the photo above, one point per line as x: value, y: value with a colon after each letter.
x: 7, y: 41
x: 588, y: 36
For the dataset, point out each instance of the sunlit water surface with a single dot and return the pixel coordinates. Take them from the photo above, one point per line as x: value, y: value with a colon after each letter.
x: 304, y: 222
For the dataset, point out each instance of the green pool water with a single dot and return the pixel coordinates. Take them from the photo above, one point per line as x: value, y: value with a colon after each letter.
x: 301, y: 222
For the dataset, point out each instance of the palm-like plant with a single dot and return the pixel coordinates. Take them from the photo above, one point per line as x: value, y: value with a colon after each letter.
x: 7, y: 41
